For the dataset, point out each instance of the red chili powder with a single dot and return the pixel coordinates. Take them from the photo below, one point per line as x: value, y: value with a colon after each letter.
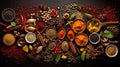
x: 25, y: 11
x: 41, y: 26
x: 109, y: 12
x: 13, y: 53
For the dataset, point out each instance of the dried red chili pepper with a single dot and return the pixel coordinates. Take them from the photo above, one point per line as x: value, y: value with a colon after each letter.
x: 54, y: 12
x: 23, y: 18
x: 57, y: 48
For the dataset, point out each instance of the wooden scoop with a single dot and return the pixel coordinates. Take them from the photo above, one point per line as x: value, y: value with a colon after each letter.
x: 105, y: 23
x: 109, y: 22
x: 102, y: 23
x: 71, y: 45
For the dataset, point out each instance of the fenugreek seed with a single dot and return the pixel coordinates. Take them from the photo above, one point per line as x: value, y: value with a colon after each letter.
x: 49, y: 12
x: 42, y: 13
x: 45, y: 21
x: 45, y: 11
x: 50, y: 18
x: 58, y: 7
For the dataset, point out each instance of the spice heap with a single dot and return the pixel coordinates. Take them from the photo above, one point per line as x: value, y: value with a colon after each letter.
x: 44, y: 34
x: 14, y: 53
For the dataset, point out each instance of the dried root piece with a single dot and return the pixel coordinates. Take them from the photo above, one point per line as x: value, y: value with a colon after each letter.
x: 92, y: 52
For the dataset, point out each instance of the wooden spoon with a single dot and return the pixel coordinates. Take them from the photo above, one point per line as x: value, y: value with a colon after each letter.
x: 109, y: 42
x: 109, y: 22
x: 105, y: 23
x: 102, y: 23
x: 72, y: 46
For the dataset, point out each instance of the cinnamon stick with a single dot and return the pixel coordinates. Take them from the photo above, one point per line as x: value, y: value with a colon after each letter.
x: 13, y: 28
x: 41, y: 39
x: 71, y: 45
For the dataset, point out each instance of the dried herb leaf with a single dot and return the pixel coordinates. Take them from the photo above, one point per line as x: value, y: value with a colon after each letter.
x: 107, y: 34
x: 83, y: 55
x: 88, y: 16
x: 93, y: 23
x: 57, y: 59
x: 72, y: 16
x: 13, y: 23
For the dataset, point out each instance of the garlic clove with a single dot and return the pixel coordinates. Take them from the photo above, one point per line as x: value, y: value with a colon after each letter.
x: 39, y: 49
x: 31, y: 47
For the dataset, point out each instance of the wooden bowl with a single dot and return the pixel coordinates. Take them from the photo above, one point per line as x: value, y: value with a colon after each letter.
x: 9, y: 39
x: 71, y: 34
x: 51, y: 33
x: 93, y: 25
x: 40, y: 27
x: 61, y: 33
x: 78, y: 26
x: 81, y: 39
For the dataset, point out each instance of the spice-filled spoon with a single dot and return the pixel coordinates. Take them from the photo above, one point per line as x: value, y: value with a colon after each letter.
x: 106, y: 41
x: 94, y: 25
x: 71, y: 36
x: 40, y: 28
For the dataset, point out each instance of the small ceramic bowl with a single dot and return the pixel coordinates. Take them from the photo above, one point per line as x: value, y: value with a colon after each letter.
x: 30, y: 37
x: 111, y: 50
x: 94, y: 38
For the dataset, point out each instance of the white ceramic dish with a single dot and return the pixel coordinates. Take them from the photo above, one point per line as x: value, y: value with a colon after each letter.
x: 30, y: 37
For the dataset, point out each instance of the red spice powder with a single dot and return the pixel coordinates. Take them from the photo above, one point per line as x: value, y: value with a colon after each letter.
x: 14, y: 53
x: 41, y: 26
x: 108, y: 12
x: 25, y: 10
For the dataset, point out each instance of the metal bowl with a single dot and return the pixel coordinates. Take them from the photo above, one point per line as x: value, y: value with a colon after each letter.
x: 94, y: 38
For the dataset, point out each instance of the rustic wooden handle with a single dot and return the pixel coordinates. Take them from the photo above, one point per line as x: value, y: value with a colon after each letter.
x: 110, y: 22
x: 12, y: 28
x: 72, y: 47
x: 114, y: 42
